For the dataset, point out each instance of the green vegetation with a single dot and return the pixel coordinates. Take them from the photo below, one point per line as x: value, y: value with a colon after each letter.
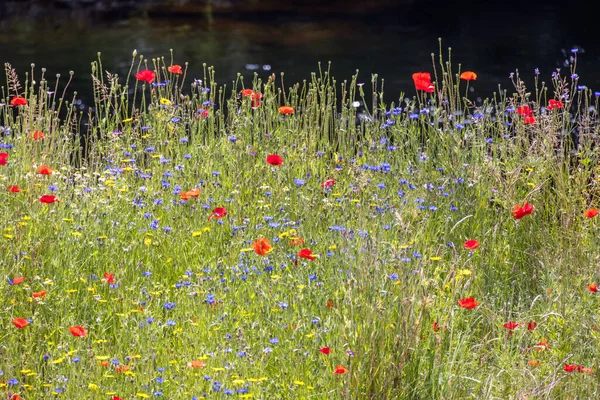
x: 144, y: 277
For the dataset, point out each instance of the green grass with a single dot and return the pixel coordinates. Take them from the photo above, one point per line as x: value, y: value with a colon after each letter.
x: 389, y: 236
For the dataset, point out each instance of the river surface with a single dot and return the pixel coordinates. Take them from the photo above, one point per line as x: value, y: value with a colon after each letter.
x: 490, y: 41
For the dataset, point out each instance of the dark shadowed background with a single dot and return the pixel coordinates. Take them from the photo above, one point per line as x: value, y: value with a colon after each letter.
x: 390, y: 38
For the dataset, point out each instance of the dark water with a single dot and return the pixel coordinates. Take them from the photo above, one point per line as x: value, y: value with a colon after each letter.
x: 394, y: 43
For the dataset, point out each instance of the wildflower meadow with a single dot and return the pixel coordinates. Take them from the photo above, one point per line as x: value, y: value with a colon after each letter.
x: 266, y: 239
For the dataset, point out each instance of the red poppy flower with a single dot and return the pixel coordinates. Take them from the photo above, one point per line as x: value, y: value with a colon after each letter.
x: 468, y: 76
x: 328, y: 183
x: 3, y: 158
x: 14, y: 396
x: 591, y: 213
x: 435, y: 326
x: 581, y: 368
x: 44, y: 170
x: 274, y: 160
x: 175, y: 69
x: 110, y: 278
x: 471, y: 244
x: 247, y: 92
x: 468, y: 302
x: 189, y: 194
x: 570, y: 367
x: 204, y: 113
x: 510, y: 325
x: 531, y: 325
x: 306, y: 253
x: 286, y: 110
x: 593, y: 288
x: 78, y: 331
x: 534, y: 363
x: 20, y: 322
x: 529, y: 120
x: 14, y: 189
x: 256, y: 99
x: 340, y: 369
x: 218, y: 213
x: 48, y: 199
x: 39, y: 295
x: 37, y: 135
x: 196, y: 364
x: 525, y: 111
x: 325, y: 350
x: 521, y: 211
x: 17, y: 280
x: 422, y: 81
x: 18, y: 101
x: 262, y: 246
x: 554, y: 104
x: 330, y: 304
x: 145, y: 76
x: 116, y: 398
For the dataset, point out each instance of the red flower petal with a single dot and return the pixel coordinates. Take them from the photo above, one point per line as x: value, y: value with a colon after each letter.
x: 145, y: 76
x: 20, y: 322
x: 468, y: 303
x: 78, y: 331
x: 274, y: 160
x: 340, y: 369
x: 471, y: 244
